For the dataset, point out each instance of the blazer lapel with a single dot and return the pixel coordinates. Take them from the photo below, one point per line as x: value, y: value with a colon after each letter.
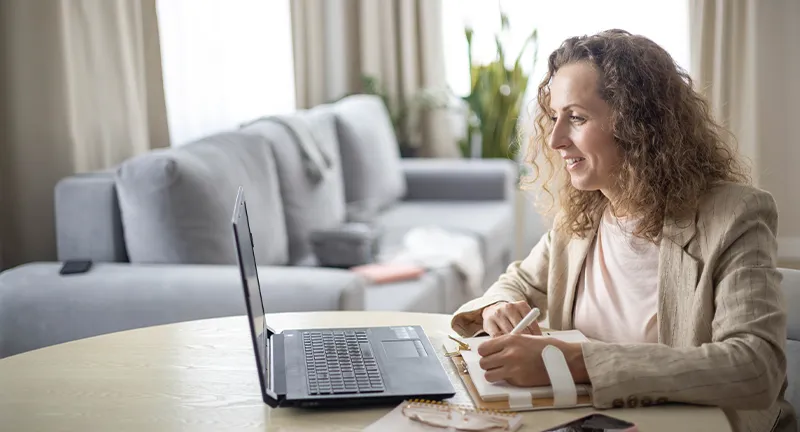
x: 677, y: 277
x: 577, y: 251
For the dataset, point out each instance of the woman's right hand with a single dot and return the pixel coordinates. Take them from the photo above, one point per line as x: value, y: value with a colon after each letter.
x: 500, y: 318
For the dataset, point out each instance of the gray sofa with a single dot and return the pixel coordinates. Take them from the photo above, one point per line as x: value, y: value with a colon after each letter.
x: 158, y: 227
x: 791, y: 289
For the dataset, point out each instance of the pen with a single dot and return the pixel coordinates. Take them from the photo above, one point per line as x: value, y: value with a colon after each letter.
x: 529, y: 318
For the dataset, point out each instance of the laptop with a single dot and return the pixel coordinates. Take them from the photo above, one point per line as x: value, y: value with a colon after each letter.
x: 326, y: 367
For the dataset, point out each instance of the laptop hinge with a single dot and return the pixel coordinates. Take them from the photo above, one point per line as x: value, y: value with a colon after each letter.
x: 276, y: 385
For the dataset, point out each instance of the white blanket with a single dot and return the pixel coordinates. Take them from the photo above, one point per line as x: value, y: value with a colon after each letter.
x: 433, y: 247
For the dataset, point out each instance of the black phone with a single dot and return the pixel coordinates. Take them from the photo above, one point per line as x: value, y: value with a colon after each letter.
x: 75, y: 267
x: 595, y: 423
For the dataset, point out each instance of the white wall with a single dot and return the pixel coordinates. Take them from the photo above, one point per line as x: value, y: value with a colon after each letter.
x: 778, y: 160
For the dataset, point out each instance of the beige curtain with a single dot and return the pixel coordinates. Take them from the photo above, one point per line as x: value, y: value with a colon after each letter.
x: 399, y: 42
x: 746, y: 60
x: 723, y: 61
x: 80, y: 90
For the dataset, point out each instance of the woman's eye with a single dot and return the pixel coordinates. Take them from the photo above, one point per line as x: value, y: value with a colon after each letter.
x: 577, y: 119
x: 554, y: 118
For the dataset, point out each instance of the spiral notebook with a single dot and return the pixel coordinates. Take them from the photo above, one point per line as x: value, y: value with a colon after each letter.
x: 421, y: 415
x: 505, y: 397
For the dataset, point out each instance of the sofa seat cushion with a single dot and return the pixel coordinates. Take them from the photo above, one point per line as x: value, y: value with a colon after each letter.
x: 308, y: 205
x: 490, y: 221
x: 439, y: 290
x: 425, y: 294
x: 177, y: 203
x: 374, y: 178
x: 39, y: 307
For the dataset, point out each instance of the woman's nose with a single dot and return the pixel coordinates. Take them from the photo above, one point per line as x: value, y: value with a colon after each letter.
x: 558, y: 139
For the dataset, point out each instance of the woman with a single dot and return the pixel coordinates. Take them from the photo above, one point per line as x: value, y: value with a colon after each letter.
x: 660, y: 250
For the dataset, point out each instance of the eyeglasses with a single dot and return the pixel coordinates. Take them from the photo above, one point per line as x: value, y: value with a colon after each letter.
x: 462, y: 346
x: 444, y: 416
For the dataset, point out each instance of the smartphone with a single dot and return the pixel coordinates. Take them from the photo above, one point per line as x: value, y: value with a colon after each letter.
x: 595, y: 423
x: 75, y: 267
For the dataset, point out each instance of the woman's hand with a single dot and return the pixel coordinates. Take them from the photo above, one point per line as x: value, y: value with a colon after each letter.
x: 501, y: 318
x: 517, y: 359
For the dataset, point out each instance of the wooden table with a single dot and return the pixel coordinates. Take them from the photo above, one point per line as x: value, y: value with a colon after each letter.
x: 201, y: 376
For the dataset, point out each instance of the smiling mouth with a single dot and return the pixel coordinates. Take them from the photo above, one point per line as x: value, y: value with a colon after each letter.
x: 573, y: 161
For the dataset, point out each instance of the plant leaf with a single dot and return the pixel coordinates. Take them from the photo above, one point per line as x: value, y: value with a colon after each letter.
x: 501, y: 55
x: 533, y: 38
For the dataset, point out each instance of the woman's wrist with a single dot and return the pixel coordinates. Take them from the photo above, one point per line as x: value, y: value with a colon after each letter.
x: 577, y: 367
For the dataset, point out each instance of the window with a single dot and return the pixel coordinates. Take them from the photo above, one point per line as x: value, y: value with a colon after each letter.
x: 664, y: 21
x: 224, y: 63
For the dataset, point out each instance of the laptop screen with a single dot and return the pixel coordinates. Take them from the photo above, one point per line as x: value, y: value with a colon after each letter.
x: 252, y: 288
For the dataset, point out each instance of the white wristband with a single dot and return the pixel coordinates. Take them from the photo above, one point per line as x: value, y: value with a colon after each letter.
x: 564, y: 392
x: 520, y: 401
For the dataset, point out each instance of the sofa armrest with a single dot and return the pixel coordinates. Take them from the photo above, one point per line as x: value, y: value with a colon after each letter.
x: 88, y: 220
x: 38, y: 307
x: 791, y: 292
x: 459, y: 179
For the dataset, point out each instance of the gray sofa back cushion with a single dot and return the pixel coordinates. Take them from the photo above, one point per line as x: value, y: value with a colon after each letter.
x: 791, y: 292
x: 177, y: 203
x: 370, y: 155
x: 308, y: 205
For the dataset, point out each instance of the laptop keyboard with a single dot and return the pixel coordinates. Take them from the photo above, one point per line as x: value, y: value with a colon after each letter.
x: 341, y: 362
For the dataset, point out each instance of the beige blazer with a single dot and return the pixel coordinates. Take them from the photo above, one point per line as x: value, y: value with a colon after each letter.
x: 721, y: 317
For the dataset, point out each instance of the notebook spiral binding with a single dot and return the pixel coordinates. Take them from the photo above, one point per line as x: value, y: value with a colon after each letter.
x: 466, y: 408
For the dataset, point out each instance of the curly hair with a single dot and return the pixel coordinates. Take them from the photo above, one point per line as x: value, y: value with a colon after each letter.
x: 672, y: 149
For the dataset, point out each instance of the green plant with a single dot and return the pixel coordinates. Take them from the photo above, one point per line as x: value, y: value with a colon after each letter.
x: 495, y: 98
x: 398, y: 110
x: 405, y: 113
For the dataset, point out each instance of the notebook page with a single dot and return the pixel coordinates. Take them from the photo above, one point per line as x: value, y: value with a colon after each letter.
x: 564, y: 335
x: 502, y: 390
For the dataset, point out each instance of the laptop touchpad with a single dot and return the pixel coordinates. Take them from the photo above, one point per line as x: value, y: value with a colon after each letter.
x: 404, y: 349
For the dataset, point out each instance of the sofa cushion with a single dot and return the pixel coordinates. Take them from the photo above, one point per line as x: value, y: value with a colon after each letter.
x: 792, y: 394
x: 370, y: 154
x: 490, y: 221
x: 439, y: 290
x: 39, y: 307
x: 418, y: 295
x: 307, y: 205
x: 791, y: 291
x: 177, y: 203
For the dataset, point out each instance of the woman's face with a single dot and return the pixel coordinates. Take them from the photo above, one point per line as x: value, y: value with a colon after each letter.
x: 582, y: 133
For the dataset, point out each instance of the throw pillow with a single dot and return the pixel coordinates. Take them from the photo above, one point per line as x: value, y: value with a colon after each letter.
x: 373, y: 176
x: 313, y: 199
x: 177, y: 203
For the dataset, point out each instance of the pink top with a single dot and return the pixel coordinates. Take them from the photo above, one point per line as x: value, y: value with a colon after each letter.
x: 617, y: 296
